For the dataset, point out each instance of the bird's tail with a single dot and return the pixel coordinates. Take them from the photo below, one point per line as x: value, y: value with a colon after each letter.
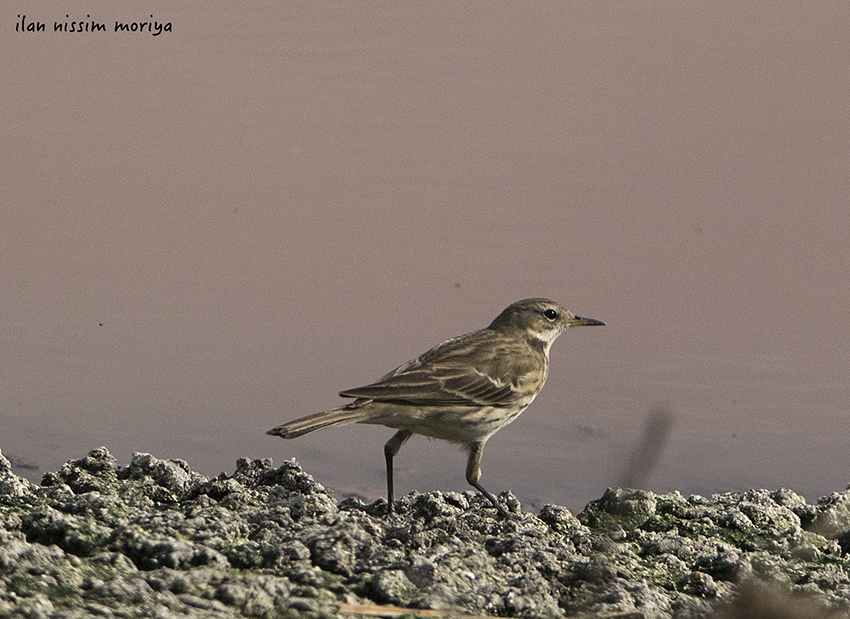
x: 341, y: 416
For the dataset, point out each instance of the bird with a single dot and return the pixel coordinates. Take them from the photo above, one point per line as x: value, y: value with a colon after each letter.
x: 462, y: 391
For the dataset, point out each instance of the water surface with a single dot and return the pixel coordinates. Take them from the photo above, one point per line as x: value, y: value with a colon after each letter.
x: 213, y: 230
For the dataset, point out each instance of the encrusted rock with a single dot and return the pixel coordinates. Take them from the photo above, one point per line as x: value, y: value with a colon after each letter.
x: 156, y: 539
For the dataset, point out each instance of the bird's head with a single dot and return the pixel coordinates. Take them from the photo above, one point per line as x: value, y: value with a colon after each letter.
x: 541, y: 319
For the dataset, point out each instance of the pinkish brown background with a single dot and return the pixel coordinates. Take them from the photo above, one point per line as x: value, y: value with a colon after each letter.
x: 211, y: 231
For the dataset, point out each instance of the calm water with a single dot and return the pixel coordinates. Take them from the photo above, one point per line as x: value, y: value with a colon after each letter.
x: 211, y: 231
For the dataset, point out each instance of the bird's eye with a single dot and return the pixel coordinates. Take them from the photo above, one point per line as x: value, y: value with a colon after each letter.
x: 550, y: 314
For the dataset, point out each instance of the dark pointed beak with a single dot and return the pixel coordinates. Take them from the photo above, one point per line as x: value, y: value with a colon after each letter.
x: 578, y: 321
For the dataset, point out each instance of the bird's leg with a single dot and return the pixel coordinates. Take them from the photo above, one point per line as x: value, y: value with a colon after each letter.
x: 390, y: 450
x: 473, y: 474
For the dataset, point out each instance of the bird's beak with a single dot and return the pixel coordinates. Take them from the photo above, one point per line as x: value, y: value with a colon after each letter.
x: 578, y: 321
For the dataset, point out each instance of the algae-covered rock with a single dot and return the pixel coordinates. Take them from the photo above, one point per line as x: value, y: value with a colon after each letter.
x: 619, y: 507
x: 154, y: 538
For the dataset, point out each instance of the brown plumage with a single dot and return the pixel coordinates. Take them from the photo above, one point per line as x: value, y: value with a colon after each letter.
x: 462, y: 391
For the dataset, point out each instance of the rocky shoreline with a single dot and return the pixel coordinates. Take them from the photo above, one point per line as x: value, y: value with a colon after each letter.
x: 154, y: 539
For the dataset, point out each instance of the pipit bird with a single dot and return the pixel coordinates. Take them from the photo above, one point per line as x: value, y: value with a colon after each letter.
x: 462, y: 391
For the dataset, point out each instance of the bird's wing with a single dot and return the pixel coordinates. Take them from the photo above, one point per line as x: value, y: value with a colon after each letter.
x: 439, y: 385
x: 459, y: 371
